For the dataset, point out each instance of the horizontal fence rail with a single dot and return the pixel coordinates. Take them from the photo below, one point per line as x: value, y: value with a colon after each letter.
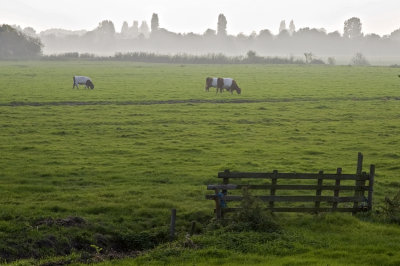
x: 228, y: 174
x: 298, y: 209
x: 293, y: 198
x: 358, y: 200
x: 286, y: 187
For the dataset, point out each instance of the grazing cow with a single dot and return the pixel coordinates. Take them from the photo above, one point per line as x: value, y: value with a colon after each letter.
x: 82, y: 80
x: 222, y: 83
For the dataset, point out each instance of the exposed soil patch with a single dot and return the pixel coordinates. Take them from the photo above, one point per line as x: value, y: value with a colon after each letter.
x: 195, y: 101
x: 67, y: 222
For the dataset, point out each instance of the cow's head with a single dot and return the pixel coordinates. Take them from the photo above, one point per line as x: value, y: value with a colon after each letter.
x: 236, y: 87
x: 90, y: 84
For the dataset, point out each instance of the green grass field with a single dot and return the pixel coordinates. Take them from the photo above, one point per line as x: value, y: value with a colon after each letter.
x: 148, y: 138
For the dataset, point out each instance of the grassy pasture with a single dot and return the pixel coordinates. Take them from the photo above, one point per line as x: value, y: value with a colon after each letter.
x: 148, y: 138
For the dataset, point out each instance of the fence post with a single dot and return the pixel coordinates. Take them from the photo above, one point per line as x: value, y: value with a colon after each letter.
x: 273, y: 184
x: 192, y: 228
x: 337, y: 184
x: 218, y: 211
x: 359, y: 163
x: 371, y: 185
x: 226, y: 179
x: 319, y: 190
x: 172, y: 227
x: 357, y: 191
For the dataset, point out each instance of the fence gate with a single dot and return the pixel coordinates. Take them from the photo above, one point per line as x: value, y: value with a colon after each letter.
x: 297, y: 192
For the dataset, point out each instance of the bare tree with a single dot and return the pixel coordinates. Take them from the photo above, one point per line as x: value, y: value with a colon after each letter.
x: 359, y: 60
x: 309, y: 57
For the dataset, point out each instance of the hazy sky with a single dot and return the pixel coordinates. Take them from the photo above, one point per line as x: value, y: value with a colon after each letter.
x: 377, y: 16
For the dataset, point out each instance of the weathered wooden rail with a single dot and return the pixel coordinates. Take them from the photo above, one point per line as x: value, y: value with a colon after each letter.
x: 354, y: 203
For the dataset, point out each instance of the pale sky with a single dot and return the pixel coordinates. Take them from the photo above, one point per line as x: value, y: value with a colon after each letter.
x: 377, y: 16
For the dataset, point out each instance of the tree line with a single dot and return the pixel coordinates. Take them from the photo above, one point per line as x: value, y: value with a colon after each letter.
x: 309, y: 43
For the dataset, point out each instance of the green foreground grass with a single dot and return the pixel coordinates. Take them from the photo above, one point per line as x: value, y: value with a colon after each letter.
x: 148, y: 138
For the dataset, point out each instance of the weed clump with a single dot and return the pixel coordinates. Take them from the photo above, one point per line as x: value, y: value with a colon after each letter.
x: 251, y: 216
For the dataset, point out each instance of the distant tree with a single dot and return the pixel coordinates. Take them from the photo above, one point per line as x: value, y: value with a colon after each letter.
x: 352, y: 28
x: 154, y: 23
x: 14, y: 44
x: 106, y: 27
x: 209, y: 33
x: 134, y: 30
x: 395, y: 35
x: 265, y: 35
x: 144, y: 29
x: 135, y: 25
x: 331, y: 61
x: 359, y: 60
x: 283, y: 35
x: 309, y: 57
x: 29, y: 31
x: 253, y: 35
x: 125, y: 29
x: 251, y: 54
x: 221, y: 29
x: 372, y: 37
x: 292, y: 27
x: 334, y: 34
x: 282, y: 26
x: 241, y: 36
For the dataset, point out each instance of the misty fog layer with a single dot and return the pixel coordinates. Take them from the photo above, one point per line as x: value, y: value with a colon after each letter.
x: 140, y: 37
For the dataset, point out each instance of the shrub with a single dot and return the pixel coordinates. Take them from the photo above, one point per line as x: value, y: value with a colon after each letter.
x: 391, y: 210
x: 331, y: 61
x: 359, y: 60
x: 253, y: 216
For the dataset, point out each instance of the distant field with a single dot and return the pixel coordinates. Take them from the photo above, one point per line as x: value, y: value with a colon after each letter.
x: 148, y: 138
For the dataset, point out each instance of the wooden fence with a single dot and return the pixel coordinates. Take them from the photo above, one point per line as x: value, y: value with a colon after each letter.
x: 330, y: 195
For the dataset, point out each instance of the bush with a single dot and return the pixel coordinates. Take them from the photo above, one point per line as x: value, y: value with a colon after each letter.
x: 253, y: 216
x: 331, y: 61
x: 317, y: 62
x: 391, y: 210
x: 359, y: 60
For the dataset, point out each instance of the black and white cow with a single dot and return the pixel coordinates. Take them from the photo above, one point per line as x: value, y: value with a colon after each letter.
x: 82, y: 80
x: 222, y: 83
